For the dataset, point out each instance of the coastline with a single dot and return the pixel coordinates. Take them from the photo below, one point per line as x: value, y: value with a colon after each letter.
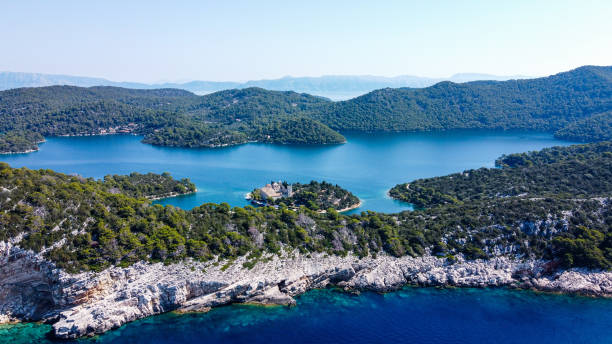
x: 223, y: 145
x: 85, y: 304
x: 169, y: 195
x: 355, y: 206
x: 36, y: 149
x: 248, y: 196
x: 24, y: 152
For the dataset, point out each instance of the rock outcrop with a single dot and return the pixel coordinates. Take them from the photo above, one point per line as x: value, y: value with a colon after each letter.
x: 90, y: 303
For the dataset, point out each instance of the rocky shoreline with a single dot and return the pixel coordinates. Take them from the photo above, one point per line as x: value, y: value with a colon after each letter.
x: 24, y: 152
x: 35, y: 149
x: 354, y: 206
x: 169, y: 195
x: 32, y: 289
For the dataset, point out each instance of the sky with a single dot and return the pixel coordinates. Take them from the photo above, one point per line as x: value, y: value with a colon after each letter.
x: 152, y: 41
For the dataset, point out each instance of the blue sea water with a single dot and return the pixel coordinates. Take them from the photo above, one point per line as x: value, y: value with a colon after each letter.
x: 368, y: 164
x: 412, y: 315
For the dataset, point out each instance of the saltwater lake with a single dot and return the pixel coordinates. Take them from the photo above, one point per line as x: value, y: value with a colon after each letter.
x: 367, y: 165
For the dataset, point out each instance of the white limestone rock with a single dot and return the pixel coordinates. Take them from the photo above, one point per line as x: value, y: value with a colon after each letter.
x: 91, y: 303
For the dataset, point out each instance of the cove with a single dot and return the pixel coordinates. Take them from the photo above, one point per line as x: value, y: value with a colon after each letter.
x: 411, y: 315
x: 367, y: 165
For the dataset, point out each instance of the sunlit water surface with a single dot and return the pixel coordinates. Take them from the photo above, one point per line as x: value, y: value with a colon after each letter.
x: 368, y: 164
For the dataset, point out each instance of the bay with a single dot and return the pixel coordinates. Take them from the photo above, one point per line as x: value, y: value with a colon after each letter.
x: 367, y: 165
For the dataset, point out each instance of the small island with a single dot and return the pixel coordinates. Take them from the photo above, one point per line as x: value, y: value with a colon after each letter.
x: 318, y: 196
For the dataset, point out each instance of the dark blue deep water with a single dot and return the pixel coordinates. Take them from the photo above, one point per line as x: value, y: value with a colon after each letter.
x: 412, y: 315
x: 368, y: 165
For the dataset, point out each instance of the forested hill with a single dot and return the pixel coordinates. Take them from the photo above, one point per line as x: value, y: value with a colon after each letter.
x: 548, y: 104
x: 229, y: 105
x: 591, y: 129
x: 164, y: 116
x: 575, y: 105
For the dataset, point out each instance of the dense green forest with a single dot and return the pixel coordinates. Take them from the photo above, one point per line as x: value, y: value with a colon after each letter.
x: 195, y: 136
x: 547, y: 104
x: 83, y: 224
x: 591, y: 129
x: 283, y: 130
x: 165, y: 117
x: 148, y: 185
x: 314, y: 195
x: 576, y: 175
x: 252, y: 104
x: 555, y: 155
x: 297, y: 130
x: 575, y: 105
x: 16, y: 141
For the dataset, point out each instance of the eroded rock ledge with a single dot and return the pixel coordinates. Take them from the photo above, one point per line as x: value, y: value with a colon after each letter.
x: 91, y: 303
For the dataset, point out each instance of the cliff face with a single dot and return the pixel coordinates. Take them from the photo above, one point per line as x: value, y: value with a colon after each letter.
x: 89, y: 303
x: 26, y: 285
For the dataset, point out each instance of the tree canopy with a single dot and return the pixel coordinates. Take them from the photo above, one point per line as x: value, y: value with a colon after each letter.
x: 84, y: 224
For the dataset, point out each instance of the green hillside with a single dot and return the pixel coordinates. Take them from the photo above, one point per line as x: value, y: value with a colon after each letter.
x: 165, y: 116
x: 591, y: 129
x: 546, y: 104
x: 575, y: 105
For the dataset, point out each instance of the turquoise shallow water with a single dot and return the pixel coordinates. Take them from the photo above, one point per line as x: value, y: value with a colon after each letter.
x: 368, y: 165
x: 412, y: 315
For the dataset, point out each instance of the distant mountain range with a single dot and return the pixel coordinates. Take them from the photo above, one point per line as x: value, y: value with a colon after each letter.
x: 336, y: 87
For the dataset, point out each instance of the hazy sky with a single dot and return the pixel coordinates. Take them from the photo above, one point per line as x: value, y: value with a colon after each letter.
x: 241, y: 40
